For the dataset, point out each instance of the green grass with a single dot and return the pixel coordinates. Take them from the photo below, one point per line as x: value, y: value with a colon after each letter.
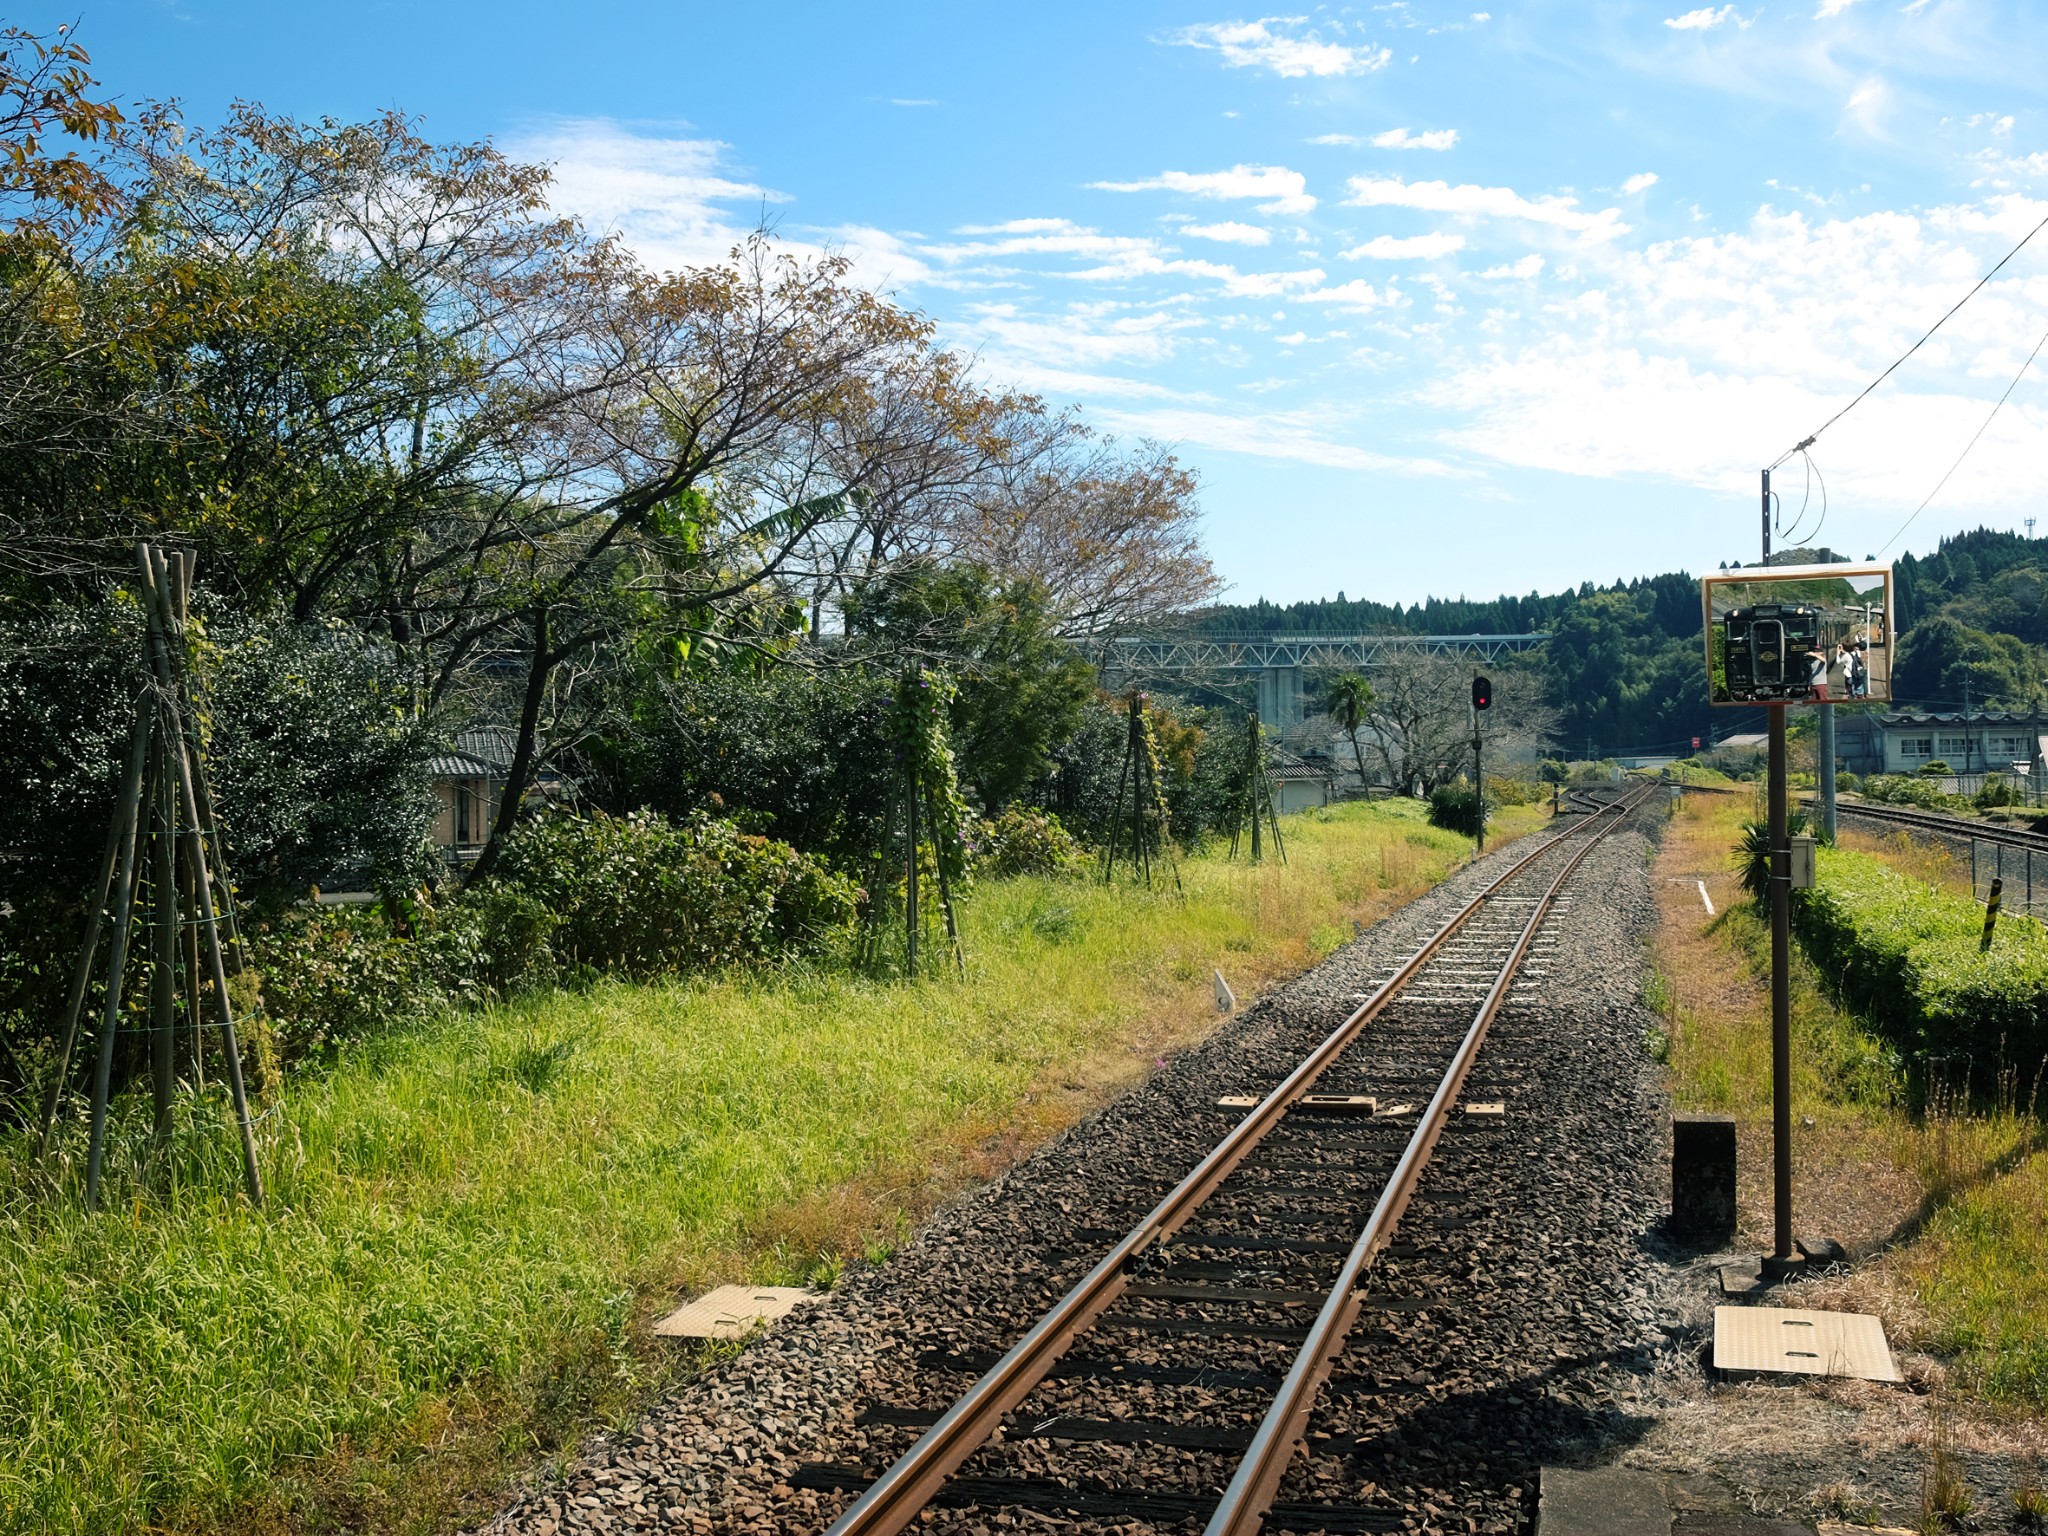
x: 469, y: 1225
x: 1978, y: 1268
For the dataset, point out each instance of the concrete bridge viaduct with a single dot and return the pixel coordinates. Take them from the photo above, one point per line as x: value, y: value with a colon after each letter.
x: 1278, y: 662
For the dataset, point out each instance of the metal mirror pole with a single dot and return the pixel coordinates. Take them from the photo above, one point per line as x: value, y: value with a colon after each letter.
x: 1781, y: 994
x: 1827, y: 772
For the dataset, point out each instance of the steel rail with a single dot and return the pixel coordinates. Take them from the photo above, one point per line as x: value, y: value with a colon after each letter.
x: 895, y: 1499
x: 1242, y: 1510
x: 1947, y: 826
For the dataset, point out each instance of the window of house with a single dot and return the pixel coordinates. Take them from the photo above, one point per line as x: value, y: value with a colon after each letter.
x: 1954, y: 746
x: 1916, y: 746
x: 2007, y: 746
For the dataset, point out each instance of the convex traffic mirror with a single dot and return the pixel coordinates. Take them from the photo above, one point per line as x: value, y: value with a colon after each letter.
x: 1799, y: 634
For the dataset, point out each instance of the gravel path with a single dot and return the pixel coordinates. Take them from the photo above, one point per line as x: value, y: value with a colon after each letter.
x: 1532, y: 1239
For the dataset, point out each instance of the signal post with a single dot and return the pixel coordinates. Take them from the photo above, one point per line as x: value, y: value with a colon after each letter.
x: 1792, y: 637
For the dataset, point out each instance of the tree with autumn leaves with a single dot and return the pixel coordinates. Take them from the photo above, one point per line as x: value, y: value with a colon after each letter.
x: 377, y: 382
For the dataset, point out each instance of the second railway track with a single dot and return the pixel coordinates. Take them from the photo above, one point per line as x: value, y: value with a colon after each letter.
x: 1174, y: 1384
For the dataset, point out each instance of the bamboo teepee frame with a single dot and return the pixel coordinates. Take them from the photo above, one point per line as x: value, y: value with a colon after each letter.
x: 1257, y: 803
x: 1146, y: 822
x: 164, y: 836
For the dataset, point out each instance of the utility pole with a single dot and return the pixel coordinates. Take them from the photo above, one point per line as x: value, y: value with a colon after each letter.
x: 1767, y: 517
x: 1784, y: 1259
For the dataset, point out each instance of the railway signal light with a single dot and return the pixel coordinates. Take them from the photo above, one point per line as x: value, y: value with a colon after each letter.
x: 1482, y: 692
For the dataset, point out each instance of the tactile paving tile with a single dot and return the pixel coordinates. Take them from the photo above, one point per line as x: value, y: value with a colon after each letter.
x: 1784, y: 1339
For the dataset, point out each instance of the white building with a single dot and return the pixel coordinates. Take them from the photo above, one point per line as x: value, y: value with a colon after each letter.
x: 1905, y: 741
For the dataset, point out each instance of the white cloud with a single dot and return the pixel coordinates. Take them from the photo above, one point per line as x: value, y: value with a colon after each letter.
x: 1286, y: 191
x: 1084, y: 335
x: 1299, y: 436
x: 1831, y: 8
x: 1406, y: 247
x: 1040, y: 237
x: 1357, y: 295
x: 663, y: 196
x: 1528, y: 266
x: 913, y: 101
x: 1640, y: 182
x: 1401, y: 138
x: 1026, y: 227
x: 1336, y: 138
x: 1484, y: 202
x: 1229, y: 232
x: 1706, y: 19
x: 1697, y: 360
x: 1280, y: 44
x: 1867, y: 105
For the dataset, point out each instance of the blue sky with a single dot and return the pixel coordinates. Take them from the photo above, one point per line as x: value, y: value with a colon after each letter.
x: 1437, y: 299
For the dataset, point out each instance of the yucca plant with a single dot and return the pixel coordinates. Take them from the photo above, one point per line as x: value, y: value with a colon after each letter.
x: 1753, y: 854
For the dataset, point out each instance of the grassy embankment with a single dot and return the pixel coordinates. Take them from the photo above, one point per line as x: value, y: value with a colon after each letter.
x: 1954, y: 1196
x: 470, y: 1226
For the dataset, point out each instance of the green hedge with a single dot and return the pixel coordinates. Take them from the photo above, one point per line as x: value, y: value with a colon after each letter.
x: 1906, y: 956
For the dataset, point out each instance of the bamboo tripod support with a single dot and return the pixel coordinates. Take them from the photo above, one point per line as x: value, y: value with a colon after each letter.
x: 164, y: 836
x: 1146, y: 821
x: 1257, y: 804
x: 919, y: 825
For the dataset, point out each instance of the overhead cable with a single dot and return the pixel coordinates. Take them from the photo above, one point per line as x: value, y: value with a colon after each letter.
x: 2015, y: 384
x: 1807, y: 442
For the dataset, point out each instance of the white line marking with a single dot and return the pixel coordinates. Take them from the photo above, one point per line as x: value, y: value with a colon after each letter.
x: 1705, y: 897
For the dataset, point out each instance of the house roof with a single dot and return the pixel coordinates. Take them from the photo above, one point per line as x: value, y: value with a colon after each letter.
x: 485, y: 752
x: 1290, y: 768
x: 1915, y: 718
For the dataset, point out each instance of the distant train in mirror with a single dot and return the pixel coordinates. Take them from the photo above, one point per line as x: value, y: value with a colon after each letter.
x: 1799, y: 635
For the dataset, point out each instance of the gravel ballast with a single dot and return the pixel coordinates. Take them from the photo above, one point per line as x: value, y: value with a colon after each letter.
x: 1530, y: 1249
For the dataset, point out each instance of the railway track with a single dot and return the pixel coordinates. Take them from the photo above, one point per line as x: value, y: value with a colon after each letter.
x: 1947, y: 826
x: 1176, y: 1382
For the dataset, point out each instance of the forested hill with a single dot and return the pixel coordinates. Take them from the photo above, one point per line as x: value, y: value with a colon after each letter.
x: 1675, y: 598
x: 1624, y: 670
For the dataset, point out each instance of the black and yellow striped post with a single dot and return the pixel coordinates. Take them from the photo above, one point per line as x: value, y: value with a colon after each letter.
x: 1991, y: 911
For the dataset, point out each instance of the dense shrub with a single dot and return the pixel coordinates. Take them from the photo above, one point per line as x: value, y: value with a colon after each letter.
x: 644, y: 895
x: 1457, y: 808
x: 1907, y: 956
x: 1516, y: 791
x: 1027, y: 841
x: 804, y: 754
x: 319, y: 765
x: 331, y: 974
x: 1903, y: 789
x: 1995, y: 791
x: 317, y: 761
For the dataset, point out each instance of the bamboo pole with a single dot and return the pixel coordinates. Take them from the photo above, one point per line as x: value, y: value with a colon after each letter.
x: 130, y: 791
x: 164, y: 954
x: 181, y: 767
x: 910, y: 908
x: 117, y: 960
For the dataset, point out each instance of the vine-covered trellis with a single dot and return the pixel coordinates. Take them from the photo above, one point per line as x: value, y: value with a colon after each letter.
x: 162, y: 871
x: 1256, y: 803
x: 925, y: 818
x: 1149, y: 824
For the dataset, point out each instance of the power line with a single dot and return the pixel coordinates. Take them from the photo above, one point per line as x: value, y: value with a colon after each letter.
x: 2015, y: 384
x: 1959, y: 303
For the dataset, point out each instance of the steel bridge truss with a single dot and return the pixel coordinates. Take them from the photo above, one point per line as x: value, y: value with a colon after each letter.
x: 1278, y: 661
